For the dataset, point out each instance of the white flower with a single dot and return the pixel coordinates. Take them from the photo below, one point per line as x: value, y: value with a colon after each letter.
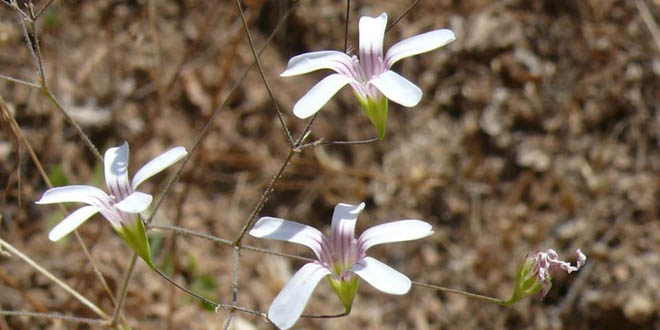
x: 121, y: 206
x: 340, y: 257
x: 370, y: 76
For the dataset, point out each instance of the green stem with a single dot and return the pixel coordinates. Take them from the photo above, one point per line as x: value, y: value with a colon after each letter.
x: 463, y: 293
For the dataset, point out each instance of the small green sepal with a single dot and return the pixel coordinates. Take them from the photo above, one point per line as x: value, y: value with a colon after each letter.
x: 345, y: 290
x: 135, y: 235
x: 526, y: 284
x: 377, y: 112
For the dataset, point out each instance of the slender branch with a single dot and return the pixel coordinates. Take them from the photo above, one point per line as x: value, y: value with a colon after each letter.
x: 19, y: 81
x: 280, y: 116
x: 228, y: 322
x: 68, y: 318
x: 192, y: 293
x: 334, y: 316
x: 405, y: 12
x: 264, y: 198
x: 323, y: 143
x: 73, y: 123
x: 216, y: 112
x: 41, y: 11
x: 5, y: 113
x: 95, y: 267
x: 188, y: 232
x: 32, y: 40
x: 123, y: 291
x: 348, y: 13
x: 234, y: 275
x: 462, y: 293
x: 53, y: 278
x: 649, y: 21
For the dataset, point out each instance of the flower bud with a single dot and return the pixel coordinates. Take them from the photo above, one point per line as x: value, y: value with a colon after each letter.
x: 535, y: 274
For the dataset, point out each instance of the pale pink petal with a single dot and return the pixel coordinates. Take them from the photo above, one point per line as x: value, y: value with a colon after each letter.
x: 371, y: 34
x: 158, y: 164
x: 291, y: 301
x: 319, y: 95
x: 397, y: 88
x: 397, y: 231
x: 344, y: 218
x: 326, y: 59
x: 418, y: 44
x: 79, y: 194
x: 284, y: 230
x: 382, y: 276
x: 582, y: 259
x: 135, y: 202
x: 71, y: 222
x: 115, y: 163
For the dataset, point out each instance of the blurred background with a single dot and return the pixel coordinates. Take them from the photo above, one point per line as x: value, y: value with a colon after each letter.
x: 538, y: 128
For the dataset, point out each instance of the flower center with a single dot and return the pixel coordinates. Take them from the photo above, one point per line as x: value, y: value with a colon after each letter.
x: 339, y: 254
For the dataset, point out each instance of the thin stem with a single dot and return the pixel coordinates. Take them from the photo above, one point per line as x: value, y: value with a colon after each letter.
x: 649, y: 21
x: 280, y: 116
x: 41, y: 11
x: 95, y: 267
x: 53, y: 278
x: 348, y: 13
x: 228, y: 322
x: 334, y: 316
x: 264, y: 198
x: 188, y: 232
x: 75, y: 125
x: 192, y: 293
x: 32, y: 40
x: 216, y: 112
x: 234, y: 285
x: 7, y: 115
x: 306, y: 131
x: 123, y: 291
x: 68, y: 318
x: 322, y: 143
x: 234, y: 275
x: 405, y: 12
x: 19, y: 81
x: 463, y: 293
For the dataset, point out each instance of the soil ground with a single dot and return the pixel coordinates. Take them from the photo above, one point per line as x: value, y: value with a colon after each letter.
x: 539, y: 128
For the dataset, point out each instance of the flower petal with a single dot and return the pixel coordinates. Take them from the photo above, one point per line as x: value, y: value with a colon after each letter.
x: 79, y: 194
x: 344, y: 218
x: 418, y: 44
x: 382, y: 276
x: 115, y: 163
x: 371, y: 34
x: 71, y: 222
x: 135, y: 202
x: 284, y: 230
x: 312, y: 61
x: 397, y: 88
x: 397, y: 231
x: 291, y: 301
x: 319, y: 95
x: 158, y: 164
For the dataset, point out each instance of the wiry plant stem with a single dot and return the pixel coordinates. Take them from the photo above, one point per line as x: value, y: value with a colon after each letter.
x: 53, y: 278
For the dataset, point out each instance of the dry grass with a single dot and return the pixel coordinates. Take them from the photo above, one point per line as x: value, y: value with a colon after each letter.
x: 539, y: 128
